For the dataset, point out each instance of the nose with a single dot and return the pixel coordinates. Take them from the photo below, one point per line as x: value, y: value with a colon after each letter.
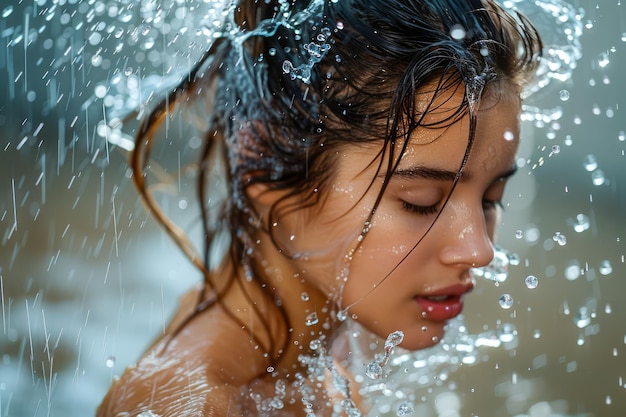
x: 466, y: 239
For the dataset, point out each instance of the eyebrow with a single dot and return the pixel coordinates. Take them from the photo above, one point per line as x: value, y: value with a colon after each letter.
x: 429, y: 173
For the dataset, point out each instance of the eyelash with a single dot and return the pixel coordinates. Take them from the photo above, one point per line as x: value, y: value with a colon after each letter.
x: 422, y: 210
x: 428, y: 210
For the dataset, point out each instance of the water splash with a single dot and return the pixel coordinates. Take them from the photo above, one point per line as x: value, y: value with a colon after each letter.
x: 560, y: 26
x: 409, y: 373
x: 374, y: 369
x: 498, y: 268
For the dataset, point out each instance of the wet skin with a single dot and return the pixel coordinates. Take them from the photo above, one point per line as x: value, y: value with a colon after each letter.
x: 389, y: 283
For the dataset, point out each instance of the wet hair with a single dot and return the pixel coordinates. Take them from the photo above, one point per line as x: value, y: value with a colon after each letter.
x: 288, y: 83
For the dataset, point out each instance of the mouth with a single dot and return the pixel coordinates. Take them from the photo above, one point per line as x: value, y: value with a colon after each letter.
x: 444, y: 304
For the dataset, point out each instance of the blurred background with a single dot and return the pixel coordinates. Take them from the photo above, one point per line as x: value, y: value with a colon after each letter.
x: 87, y: 279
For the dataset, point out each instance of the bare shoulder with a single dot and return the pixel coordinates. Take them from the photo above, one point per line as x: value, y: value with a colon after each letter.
x: 181, y: 376
x: 166, y: 386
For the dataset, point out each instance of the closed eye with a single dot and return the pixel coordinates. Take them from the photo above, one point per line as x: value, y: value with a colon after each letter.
x: 492, y: 205
x: 421, y: 210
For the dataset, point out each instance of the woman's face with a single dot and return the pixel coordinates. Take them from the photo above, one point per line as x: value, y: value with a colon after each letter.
x: 390, y: 283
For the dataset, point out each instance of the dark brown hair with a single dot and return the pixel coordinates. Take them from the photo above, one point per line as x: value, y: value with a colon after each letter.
x: 289, y: 82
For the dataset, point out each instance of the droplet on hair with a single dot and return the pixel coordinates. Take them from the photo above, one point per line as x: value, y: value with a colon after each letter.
x: 457, y: 32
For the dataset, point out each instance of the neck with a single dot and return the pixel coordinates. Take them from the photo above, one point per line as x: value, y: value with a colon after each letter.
x: 285, y: 312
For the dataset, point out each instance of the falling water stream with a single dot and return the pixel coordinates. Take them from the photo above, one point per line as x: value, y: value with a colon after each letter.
x: 88, y: 280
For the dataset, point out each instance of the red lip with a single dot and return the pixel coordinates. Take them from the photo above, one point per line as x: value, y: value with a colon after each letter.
x: 449, y: 306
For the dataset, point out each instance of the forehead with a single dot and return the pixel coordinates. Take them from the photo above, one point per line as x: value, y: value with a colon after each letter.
x: 443, y: 138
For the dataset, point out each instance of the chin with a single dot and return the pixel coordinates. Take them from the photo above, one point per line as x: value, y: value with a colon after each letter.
x: 419, y: 339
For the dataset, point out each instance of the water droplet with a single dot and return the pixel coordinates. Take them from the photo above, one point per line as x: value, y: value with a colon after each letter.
x: 531, y: 282
x: 405, y: 408
x: 580, y: 223
x: 519, y: 234
x: 581, y: 340
x: 315, y: 344
x: 393, y: 340
x: 556, y: 149
x: 582, y: 318
x: 621, y: 136
x: 564, y: 95
x: 603, y: 60
x: 536, y: 334
x: 457, y: 32
x: 311, y: 319
x: 110, y: 362
x: 506, y: 301
x: 373, y: 370
x: 605, y: 267
x: 560, y: 238
x: 342, y: 315
x: 597, y: 177
x: 608, y: 400
x: 508, y: 135
x: 304, y: 296
x: 572, y: 270
x: 590, y: 163
x: 147, y: 414
x: 270, y: 369
x: 7, y: 11
x: 498, y: 268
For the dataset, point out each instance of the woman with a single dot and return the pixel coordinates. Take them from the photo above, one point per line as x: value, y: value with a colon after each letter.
x: 363, y: 146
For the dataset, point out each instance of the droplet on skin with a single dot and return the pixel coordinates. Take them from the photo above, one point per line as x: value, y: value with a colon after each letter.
x: 315, y: 344
x: 147, y: 414
x: 342, y: 315
x: 311, y: 319
x: 564, y: 95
